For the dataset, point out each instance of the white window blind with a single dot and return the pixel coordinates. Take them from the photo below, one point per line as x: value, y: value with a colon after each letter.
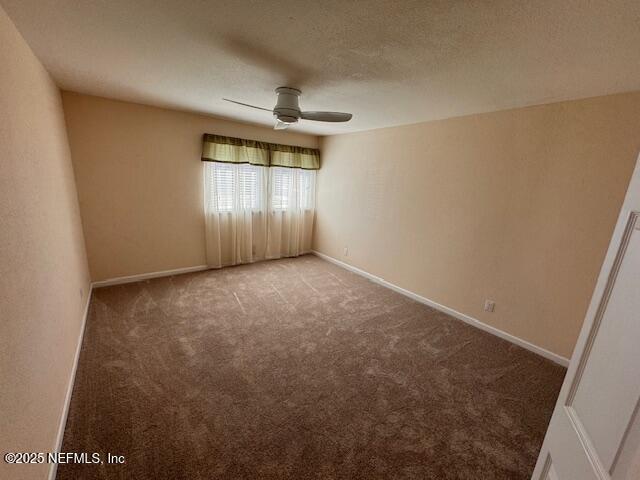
x: 292, y: 188
x: 235, y: 187
x: 281, y: 188
x: 307, y: 189
x: 249, y: 187
x: 222, y: 177
x: 241, y: 187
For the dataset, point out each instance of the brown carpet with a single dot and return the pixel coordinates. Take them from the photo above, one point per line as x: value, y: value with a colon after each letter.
x: 298, y: 369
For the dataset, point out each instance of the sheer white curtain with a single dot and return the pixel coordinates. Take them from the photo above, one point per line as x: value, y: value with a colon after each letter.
x: 235, y: 205
x: 291, y: 211
x: 254, y: 212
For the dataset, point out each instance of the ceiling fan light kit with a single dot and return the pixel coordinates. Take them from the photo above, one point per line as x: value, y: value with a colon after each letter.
x: 287, y: 110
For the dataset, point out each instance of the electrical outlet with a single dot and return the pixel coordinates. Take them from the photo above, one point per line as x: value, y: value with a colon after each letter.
x: 346, y: 251
x: 489, y: 305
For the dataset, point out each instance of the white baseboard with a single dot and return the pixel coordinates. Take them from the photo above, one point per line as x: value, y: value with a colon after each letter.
x: 560, y: 360
x: 147, y: 276
x: 53, y: 469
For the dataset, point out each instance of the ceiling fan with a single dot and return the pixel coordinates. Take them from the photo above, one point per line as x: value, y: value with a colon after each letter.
x: 287, y: 110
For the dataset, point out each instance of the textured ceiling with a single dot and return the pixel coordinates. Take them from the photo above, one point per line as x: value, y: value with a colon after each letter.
x: 387, y: 62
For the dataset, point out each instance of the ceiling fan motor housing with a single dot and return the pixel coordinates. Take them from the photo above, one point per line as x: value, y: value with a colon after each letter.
x: 287, y: 108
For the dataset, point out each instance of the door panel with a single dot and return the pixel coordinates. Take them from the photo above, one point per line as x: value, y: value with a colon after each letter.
x: 562, y: 436
x: 552, y: 475
x: 627, y: 466
x: 610, y: 376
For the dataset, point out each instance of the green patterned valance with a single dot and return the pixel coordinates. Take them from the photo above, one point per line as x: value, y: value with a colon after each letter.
x: 217, y: 148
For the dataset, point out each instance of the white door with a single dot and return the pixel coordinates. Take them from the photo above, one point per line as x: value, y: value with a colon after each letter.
x: 594, y: 433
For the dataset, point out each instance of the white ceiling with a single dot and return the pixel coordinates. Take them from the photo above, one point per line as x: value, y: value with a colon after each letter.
x: 389, y: 62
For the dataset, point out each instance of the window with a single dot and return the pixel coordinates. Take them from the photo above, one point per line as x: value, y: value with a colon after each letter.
x: 232, y: 187
x: 235, y: 187
x: 259, y: 199
x: 307, y: 189
x: 249, y: 188
x: 281, y: 186
x: 292, y: 188
x: 223, y: 187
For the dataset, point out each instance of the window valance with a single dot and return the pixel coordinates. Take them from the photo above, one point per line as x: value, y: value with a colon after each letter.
x: 218, y: 148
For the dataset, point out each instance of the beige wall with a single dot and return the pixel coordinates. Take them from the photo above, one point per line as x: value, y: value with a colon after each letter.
x: 44, y: 280
x: 139, y: 178
x: 515, y: 206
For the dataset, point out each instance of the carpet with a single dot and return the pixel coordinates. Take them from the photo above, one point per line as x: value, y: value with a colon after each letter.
x: 298, y: 369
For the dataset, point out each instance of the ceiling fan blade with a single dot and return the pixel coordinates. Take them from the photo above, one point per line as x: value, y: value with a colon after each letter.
x: 280, y: 125
x: 247, y: 105
x: 326, y: 116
